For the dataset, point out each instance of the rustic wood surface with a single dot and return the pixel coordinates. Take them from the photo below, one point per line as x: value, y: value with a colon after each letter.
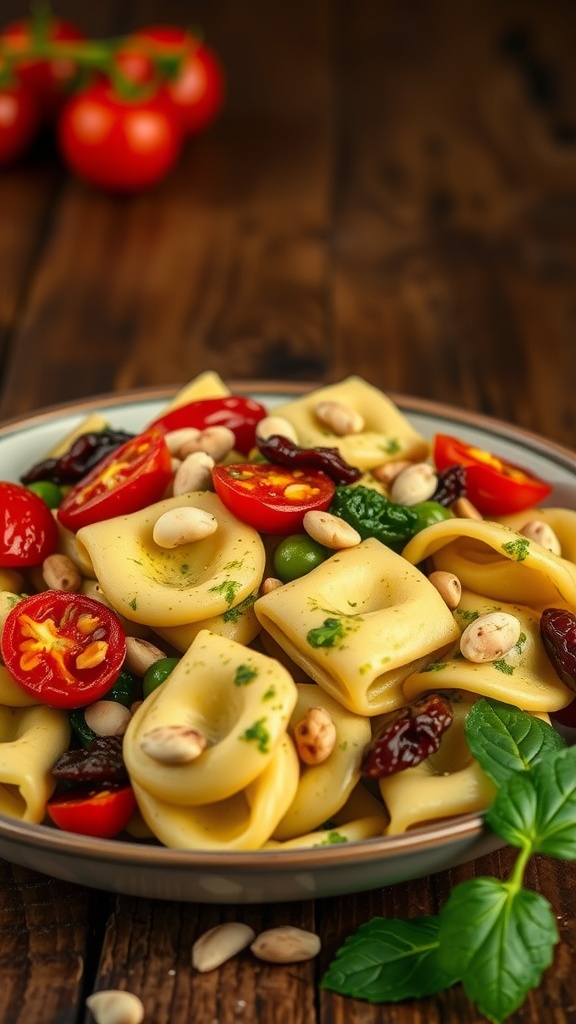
x: 390, y: 191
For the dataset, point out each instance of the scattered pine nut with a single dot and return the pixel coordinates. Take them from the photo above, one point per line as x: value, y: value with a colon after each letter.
x: 286, y: 945
x: 448, y: 586
x: 220, y: 944
x: 184, y: 525
x: 543, y: 534
x: 115, y: 1006
x: 330, y: 530
x: 489, y: 637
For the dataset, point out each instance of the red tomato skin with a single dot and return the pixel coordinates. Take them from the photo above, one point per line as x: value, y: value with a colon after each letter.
x: 265, y: 507
x: 19, y: 120
x: 49, y: 80
x: 102, y: 814
x: 198, y: 91
x: 148, y: 466
x: 41, y: 642
x: 119, y: 144
x: 567, y: 715
x: 28, y: 532
x: 240, y: 415
x: 496, y: 487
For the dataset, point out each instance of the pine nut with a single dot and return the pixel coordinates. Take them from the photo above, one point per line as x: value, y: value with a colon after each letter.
x: 331, y: 531
x: 183, y: 526
x: 489, y: 637
x: 339, y: 418
x: 464, y: 509
x: 173, y: 744
x: 193, y: 474
x: 217, y: 442
x: 140, y: 655
x: 315, y: 736
x: 388, y: 471
x: 114, y: 1006
x: 286, y: 945
x: 176, y: 439
x: 220, y: 944
x: 414, y: 484
x: 270, y: 584
x: 60, y: 573
x: 107, y: 718
x: 276, y: 425
x: 541, y: 532
x: 448, y: 586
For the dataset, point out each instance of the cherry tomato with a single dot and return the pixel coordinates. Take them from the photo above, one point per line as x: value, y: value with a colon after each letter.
x: 103, y: 813
x: 65, y: 649
x: 19, y: 119
x: 28, y: 533
x: 271, y: 498
x: 198, y: 90
x: 119, y: 143
x: 49, y: 79
x: 494, y: 486
x: 134, y: 475
x: 240, y: 415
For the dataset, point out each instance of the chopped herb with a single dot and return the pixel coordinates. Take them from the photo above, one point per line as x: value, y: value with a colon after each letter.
x: 229, y: 588
x: 133, y: 604
x: 517, y: 549
x: 233, y: 614
x: 436, y: 666
x: 270, y: 693
x: 244, y: 675
x: 332, y: 838
x: 467, y: 616
x: 326, y: 634
x: 258, y: 734
x: 503, y: 666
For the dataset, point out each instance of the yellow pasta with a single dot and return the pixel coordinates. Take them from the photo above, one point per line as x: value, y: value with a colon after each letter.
x: 238, y: 699
x: 387, y: 433
x: 359, y: 624
x: 172, y: 587
x: 31, y: 739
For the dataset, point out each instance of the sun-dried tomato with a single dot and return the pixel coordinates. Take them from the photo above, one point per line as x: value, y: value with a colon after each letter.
x: 280, y: 450
x: 100, y: 763
x: 84, y: 453
x: 411, y: 736
x: 451, y: 485
x: 558, y: 632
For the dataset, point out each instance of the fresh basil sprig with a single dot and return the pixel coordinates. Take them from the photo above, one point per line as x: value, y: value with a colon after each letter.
x: 495, y: 937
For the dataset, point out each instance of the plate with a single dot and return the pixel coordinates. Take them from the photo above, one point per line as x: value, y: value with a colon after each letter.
x: 142, y: 869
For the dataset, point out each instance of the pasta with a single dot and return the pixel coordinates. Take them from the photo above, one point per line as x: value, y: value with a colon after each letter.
x: 259, y: 735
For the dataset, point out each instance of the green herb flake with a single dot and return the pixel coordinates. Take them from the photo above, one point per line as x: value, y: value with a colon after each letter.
x: 436, y: 666
x: 133, y: 604
x: 244, y: 675
x: 235, y: 613
x: 270, y: 693
x: 258, y: 734
x: 517, y: 549
x: 327, y: 634
x: 228, y: 588
x: 332, y: 838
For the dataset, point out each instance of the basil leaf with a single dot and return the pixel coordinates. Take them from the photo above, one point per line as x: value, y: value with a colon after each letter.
x: 499, y: 940
x: 387, y: 960
x: 504, y: 739
x: 537, y: 809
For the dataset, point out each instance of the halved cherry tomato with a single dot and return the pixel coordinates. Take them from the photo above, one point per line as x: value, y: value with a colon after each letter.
x: 65, y: 649
x: 271, y: 498
x: 240, y: 415
x: 134, y: 475
x: 19, y: 119
x: 102, y: 813
x: 493, y: 485
x: 28, y: 533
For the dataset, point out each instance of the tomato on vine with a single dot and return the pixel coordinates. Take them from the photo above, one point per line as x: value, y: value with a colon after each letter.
x: 197, y: 90
x: 117, y: 141
x: 48, y: 78
x: 19, y: 119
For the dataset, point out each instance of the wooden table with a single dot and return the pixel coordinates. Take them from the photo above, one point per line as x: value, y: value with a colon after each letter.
x: 390, y: 191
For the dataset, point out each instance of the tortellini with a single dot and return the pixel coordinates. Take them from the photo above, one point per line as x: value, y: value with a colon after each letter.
x: 387, y: 434
x: 359, y: 624
x: 31, y: 740
x: 175, y: 586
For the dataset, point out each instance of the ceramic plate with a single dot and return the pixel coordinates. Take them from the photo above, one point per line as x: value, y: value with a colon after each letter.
x: 142, y: 869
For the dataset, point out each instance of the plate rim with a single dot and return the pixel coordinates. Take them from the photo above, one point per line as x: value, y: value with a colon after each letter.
x: 144, y: 854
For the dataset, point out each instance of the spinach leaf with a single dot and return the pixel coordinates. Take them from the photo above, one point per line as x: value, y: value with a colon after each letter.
x: 373, y: 515
x: 505, y: 739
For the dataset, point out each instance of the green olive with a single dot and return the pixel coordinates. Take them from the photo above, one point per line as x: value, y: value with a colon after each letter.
x: 157, y: 674
x: 50, y: 492
x: 297, y: 555
x: 430, y: 512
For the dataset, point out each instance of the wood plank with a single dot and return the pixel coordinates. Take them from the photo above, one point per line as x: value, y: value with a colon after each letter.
x: 455, y: 204
x: 223, y: 265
